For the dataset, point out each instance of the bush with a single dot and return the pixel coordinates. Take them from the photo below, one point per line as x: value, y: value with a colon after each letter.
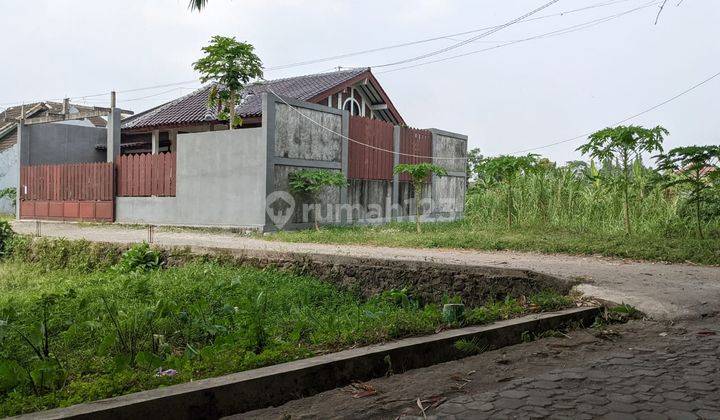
x: 6, y: 236
x: 140, y: 258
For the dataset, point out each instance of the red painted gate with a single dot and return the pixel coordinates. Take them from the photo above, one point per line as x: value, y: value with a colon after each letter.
x: 82, y: 191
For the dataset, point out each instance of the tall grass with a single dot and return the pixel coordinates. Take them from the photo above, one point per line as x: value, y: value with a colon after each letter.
x: 582, y: 199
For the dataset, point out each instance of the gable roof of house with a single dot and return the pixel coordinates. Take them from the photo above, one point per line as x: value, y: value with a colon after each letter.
x: 193, y: 108
x: 8, y: 118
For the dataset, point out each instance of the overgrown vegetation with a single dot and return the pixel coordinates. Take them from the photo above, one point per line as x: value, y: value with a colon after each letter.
x: 614, y: 205
x: 81, y: 321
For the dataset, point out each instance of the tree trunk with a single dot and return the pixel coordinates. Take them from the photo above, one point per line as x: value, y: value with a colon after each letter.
x: 697, y: 204
x: 626, y: 193
x: 231, y: 105
x: 418, y: 196
x: 316, y: 213
x: 509, y: 205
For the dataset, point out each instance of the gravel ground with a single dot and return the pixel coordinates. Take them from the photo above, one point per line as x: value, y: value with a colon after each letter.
x: 663, y: 291
x: 643, y: 369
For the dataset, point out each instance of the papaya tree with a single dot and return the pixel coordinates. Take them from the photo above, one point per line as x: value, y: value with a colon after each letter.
x: 230, y: 65
x: 420, y: 174
x: 694, y: 166
x: 505, y: 169
x: 311, y: 182
x: 197, y: 4
x: 624, y: 144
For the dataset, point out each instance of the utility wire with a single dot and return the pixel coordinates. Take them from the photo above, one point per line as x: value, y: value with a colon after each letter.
x: 585, y: 135
x: 498, y: 27
x: 469, y: 40
x: 436, y: 38
x: 557, y: 32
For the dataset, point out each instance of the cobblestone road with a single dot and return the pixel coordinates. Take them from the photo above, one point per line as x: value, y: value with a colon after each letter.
x: 642, y: 369
x: 679, y: 382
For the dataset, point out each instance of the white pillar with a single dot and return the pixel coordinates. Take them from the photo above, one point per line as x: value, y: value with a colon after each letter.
x: 155, y: 142
x: 113, y: 131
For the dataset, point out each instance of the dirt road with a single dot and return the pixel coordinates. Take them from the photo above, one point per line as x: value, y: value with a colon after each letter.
x: 663, y: 291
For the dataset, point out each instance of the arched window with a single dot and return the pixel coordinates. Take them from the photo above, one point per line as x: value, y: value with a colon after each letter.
x: 352, y: 105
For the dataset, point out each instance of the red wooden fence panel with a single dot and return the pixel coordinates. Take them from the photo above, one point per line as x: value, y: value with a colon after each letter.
x: 145, y: 175
x: 83, y: 191
x: 69, y: 182
x: 417, y: 143
x: 370, y: 162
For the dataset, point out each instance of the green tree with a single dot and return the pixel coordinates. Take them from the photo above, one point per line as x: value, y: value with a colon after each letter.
x: 625, y: 144
x: 694, y: 166
x: 505, y: 169
x: 230, y: 65
x: 420, y: 174
x: 474, y: 158
x: 311, y: 182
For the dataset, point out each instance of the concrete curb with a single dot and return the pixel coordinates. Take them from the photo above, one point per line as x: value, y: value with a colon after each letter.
x: 275, y: 385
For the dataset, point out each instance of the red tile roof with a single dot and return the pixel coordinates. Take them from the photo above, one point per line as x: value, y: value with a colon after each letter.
x: 193, y: 108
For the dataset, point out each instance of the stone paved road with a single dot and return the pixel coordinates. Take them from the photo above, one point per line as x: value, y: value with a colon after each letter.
x: 644, y: 369
x: 680, y: 382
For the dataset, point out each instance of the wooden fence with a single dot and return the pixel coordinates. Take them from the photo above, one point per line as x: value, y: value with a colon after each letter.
x: 83, y: 191
x: 145, y: 175
x: 68, y: 182
x: 414, y: 142
x: 369, y: 162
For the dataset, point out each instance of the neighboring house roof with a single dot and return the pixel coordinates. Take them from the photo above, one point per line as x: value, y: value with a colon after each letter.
x: 8, y: 116
x: 193, y: 108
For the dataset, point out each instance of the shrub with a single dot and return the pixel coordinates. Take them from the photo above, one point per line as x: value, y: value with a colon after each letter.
x: 6, y: 236
x: 140, y: 258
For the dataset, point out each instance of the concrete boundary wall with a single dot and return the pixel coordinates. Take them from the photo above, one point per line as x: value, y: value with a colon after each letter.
x: 225, y: 178
x: 285, y: 131
x: 220, y: 182
x: 52, y: 144
x: 9, y: 177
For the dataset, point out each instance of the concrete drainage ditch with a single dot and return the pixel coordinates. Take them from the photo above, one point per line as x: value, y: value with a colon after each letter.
x: 274, y: 385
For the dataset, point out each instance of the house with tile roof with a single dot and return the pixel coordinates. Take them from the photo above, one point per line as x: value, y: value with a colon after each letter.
x: 355, y: 90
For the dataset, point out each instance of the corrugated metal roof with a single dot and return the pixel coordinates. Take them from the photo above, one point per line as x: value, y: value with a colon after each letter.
x: 193, y: 108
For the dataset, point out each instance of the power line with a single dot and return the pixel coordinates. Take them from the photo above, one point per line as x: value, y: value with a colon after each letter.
x: 585, y: 135
x: 495, y: 28
x: 562, y: 31
x: 469, y: 40
x: 436, y: 38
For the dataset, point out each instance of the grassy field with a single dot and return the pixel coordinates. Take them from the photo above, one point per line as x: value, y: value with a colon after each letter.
x: 472, y: 235
x: 74, y: 328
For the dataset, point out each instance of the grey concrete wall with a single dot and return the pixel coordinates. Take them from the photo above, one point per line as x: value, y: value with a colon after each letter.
x: 8, y: 177
x: 302, y: 214
x: 221, y: 179
x: 47, y: 144
x: 295, y: 142
x: 448, y: 192
x: 370, y: 200
x: 308, y: 134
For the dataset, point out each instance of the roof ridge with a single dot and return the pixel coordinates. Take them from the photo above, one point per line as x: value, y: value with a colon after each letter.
x: 167, y: 104
x: 327, y: 73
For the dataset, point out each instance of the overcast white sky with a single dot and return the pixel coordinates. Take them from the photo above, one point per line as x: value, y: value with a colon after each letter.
x: 507, y: 99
